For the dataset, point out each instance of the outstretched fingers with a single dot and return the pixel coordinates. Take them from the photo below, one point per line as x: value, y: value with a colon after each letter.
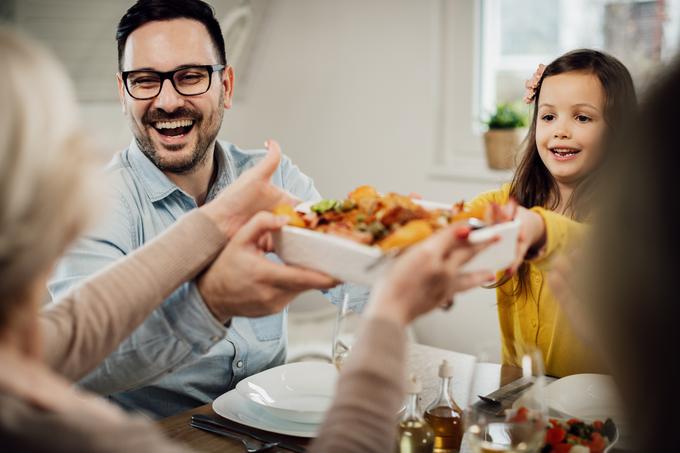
x: 266, y: 167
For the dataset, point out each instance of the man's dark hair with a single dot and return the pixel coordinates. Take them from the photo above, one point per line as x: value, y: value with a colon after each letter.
x: 145, y: 11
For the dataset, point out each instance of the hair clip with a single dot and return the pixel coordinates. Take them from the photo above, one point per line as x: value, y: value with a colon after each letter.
x: 532, y: 84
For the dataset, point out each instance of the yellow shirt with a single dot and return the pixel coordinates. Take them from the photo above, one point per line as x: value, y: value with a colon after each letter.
x: 533, y: 319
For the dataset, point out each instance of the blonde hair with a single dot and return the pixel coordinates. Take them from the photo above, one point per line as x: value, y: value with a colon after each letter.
x: 46, y: 181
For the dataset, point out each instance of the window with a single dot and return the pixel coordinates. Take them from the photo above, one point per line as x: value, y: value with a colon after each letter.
x: 516, y: 35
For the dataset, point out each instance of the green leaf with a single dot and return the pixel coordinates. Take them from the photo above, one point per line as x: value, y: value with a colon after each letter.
x: 323, y: 206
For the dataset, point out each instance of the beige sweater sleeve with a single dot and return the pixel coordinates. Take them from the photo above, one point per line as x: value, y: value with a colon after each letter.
x: 370, y: 391
x: 87, y: 324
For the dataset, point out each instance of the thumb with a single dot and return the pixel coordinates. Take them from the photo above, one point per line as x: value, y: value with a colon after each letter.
x: 258, y: 226
x: 266, y: 167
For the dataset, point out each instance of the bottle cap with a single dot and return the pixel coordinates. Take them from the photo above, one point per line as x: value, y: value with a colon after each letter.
x: 413, y: 384
x: 445, y: 369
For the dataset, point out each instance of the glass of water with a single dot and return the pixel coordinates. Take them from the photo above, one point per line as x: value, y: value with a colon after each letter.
x: 346, y: 327
x: 517, y: 427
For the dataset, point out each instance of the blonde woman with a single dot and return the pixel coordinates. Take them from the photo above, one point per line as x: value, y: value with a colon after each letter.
x: 47, y: 191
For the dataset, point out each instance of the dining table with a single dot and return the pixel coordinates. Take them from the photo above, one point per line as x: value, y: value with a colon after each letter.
x: 422, y: 360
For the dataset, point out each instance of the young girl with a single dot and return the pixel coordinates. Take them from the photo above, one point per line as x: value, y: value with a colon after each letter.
x: 577, y: 98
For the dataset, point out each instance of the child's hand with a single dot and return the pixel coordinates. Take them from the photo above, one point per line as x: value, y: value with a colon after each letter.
x: 531, y: 236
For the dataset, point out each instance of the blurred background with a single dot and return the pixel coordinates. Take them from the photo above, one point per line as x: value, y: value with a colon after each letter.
x: 392, y: 93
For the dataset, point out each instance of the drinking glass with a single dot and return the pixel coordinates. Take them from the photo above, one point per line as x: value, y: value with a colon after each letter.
x: 519, y: 427
x: 346, y: 327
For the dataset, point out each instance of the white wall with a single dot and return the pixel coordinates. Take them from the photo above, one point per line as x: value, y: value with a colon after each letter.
x: 351, y: 91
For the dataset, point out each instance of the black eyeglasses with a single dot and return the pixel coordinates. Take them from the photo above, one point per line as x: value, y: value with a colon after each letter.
x: 187, y: 80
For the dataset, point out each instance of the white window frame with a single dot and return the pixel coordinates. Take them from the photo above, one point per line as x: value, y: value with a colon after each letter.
x: 459, y: 153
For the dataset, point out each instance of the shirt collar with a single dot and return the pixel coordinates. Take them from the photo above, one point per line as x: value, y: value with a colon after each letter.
x: 158, y: 186
x: 226, y: 171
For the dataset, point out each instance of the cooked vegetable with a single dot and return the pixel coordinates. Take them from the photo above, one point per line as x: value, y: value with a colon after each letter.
x: 323, y: 206
x: 295, y: 217
x: 412, y: 232
x: 389, y: 221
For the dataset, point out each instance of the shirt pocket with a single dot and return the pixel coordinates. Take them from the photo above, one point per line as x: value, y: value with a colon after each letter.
x: 268, y: 328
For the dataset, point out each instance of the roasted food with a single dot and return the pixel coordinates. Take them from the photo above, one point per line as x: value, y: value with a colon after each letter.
x: 390, y: 221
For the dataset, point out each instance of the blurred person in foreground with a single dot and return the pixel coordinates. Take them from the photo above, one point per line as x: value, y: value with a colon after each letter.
x: 619, y: 292
x: 48, y: 189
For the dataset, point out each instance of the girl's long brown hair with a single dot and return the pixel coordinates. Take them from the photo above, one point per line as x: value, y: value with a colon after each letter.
x: 533, y: 185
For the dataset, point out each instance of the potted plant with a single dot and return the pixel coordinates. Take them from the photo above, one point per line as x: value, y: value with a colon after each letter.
x: 507, y: 128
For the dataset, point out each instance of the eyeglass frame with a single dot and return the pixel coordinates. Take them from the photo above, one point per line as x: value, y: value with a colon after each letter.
x: 169, y: 75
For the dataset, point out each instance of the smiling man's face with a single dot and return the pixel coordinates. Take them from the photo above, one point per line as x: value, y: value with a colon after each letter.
x: 175, y: 131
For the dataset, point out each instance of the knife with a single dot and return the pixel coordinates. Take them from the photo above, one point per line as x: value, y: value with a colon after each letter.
x: 206, y: 420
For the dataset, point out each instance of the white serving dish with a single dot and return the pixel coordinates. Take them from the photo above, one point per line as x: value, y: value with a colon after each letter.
x: 352, y: 262
x: 589, y: 397
x: 236, y: 408
x: 300, y: 392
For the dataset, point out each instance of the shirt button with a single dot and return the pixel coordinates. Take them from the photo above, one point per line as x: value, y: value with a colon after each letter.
x: 214, y: 338
x: 239, y: 364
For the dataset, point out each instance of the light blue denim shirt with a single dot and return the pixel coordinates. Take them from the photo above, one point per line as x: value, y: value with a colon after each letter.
x: 181, y: 356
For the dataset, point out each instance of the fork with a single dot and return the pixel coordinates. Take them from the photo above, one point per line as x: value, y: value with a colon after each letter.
x: 251, y: 446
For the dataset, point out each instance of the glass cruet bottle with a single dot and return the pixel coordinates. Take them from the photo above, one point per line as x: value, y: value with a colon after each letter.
x: 415, y: 435
x: 444, y: 415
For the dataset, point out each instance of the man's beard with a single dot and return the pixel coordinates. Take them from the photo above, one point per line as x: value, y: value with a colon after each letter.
x: 206, y: 132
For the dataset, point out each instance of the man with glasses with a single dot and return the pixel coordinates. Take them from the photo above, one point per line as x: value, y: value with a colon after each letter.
x: 174, y: 83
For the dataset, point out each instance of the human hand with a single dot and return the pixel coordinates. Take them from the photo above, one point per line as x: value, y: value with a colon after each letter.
x: 532, y: 235
x: 250, y: 193
x: 243, y: 282
x: 427, y: 275
x: 531, y: 238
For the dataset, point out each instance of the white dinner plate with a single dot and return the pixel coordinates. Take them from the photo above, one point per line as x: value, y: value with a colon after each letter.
x: 586, y: 396
x: 300, y: 392
x: 234, y: 407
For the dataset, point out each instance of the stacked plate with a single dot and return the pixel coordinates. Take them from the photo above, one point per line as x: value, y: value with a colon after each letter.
x: 590, y: 397
x: 586, y: 396
x: 289, y: 399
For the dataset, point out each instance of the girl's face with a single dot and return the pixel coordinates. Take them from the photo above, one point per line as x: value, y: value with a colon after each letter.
x: 570, y: 125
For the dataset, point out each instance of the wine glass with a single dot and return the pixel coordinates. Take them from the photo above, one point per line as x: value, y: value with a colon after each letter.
x: 517, y: 426
x: 347, y: 322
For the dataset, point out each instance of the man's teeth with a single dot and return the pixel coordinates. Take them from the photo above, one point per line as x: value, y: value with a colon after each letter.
x: 173, y: 124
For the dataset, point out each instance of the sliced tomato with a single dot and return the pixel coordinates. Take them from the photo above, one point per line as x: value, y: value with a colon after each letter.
x: 597, y: 443
x: 555, y: 436
x: 521, y: 416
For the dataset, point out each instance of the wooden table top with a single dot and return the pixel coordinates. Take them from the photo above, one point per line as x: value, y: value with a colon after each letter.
x: 422, y: 360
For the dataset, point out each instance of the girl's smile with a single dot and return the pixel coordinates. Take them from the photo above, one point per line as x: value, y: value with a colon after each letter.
x: 564, y: 154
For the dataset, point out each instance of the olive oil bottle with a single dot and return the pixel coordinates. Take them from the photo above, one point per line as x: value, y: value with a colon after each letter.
x: 415, y: 434
x: 444, y: 415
